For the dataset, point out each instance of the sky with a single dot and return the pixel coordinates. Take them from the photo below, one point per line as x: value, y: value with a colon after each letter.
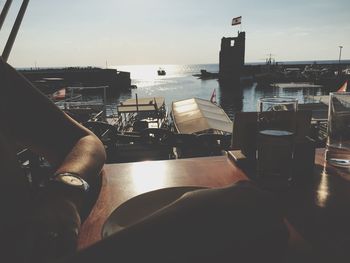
x: 137, y: 32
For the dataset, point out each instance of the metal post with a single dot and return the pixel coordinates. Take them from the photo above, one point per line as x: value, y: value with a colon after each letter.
x: 137, y: 103
x: 14, y: 31
x: 339, y: 70
x: 340, y: 48
x: 156, y: 108
x: 105, y: 101
x: 4, y: 12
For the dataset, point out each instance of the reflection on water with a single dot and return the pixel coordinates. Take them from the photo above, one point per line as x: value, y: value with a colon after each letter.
x: 231, y: 98
x: 179, y: 83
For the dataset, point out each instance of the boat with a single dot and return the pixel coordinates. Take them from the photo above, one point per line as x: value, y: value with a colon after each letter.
x: 322, y: 101
x: 202, y: 128
x: 207, y: 75
x: 138, y: 132
x: 76, y: 102
x: 139, y: 114
x: 200, y: 116
x: 296, y: 85
x: 161, y: 72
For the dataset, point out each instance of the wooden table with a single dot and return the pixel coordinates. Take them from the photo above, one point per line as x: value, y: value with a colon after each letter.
x: 318, y: 211
x: 121, y: 182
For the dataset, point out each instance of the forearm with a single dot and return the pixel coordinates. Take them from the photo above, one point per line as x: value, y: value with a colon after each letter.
x: 86, y: 159
x: 37, y: 123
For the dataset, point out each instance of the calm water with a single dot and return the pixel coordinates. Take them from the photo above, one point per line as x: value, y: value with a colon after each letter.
x: 179, y: 83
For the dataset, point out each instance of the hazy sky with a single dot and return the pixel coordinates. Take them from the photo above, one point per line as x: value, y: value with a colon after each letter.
x: 91, y: 32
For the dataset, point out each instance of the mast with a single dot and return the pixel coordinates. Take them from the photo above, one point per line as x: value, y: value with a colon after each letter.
x: 4, y: 12
x: 14, y: 31
x: 339, y: 69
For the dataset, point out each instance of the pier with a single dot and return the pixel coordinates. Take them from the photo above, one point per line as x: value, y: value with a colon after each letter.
x: 48, y: 79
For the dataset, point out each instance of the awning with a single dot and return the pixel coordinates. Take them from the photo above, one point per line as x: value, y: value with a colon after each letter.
x: 200, y: 116
x: 141, y: 105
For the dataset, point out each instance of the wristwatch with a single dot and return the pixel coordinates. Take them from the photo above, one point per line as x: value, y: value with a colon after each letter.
x: 69, y: 181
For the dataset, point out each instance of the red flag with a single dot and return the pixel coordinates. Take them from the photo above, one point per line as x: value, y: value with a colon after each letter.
x: 60, y: 94
x: 343, y: 87
x: 213, y: 96
x: 236, y: 20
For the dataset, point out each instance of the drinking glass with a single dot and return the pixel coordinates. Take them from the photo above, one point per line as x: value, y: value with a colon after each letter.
x: 338, y: 140
x: 275, y: 141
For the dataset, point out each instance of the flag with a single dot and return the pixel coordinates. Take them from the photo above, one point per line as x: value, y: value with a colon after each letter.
x: 236, y: 20
x: 60, y: 94
x: 213, y: 96
x: 343, y: 87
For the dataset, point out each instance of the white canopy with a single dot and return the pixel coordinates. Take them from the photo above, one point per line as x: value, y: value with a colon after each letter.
x: 141, y: 104
x: 200, y: 116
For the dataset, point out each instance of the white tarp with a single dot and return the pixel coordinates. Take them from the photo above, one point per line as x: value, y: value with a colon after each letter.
x: 200, y: 116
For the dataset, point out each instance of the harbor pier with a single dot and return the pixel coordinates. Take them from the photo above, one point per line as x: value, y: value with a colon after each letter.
x: 116, y: 81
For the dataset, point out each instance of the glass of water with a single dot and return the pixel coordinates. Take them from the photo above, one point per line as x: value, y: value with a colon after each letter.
x: 338, y: 141
x: 275, y: 141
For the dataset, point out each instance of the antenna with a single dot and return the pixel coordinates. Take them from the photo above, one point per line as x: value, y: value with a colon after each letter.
x: 14, y: 31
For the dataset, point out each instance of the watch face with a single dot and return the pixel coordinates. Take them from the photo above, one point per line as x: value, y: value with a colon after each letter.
x: 71, y: 180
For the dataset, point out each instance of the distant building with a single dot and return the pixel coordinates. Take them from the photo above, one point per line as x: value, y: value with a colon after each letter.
x: 231, y: 60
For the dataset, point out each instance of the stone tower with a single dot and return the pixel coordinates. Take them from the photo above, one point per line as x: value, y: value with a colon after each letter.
x: 231, y: 60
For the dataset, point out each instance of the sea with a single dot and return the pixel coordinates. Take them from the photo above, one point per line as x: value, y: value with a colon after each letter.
x: 179, y: 83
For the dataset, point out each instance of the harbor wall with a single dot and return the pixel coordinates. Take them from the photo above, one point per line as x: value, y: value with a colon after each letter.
x: 115, y: 80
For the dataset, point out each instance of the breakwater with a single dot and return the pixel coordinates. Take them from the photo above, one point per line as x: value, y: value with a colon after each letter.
x: 49, y: 80
x: 329, y: 75
x: 251, y: 69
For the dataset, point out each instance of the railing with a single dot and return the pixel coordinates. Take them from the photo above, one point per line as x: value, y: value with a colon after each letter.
x: 65, y: 105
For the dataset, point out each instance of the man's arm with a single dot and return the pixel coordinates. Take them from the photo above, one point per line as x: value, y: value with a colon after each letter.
x: 37, y: 123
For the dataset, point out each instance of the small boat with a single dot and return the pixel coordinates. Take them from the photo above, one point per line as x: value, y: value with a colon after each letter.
x: 139, y: 114
x: 199, y: 116
x: 207, y: 75
x: 203, y: 128
x: 81, y: 107
x: 161, y: 72
x: 296, y: 85
x: 137, y: 133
